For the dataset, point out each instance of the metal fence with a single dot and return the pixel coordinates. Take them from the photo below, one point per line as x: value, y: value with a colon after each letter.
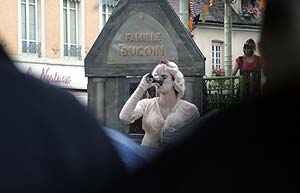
x: 223, y: 91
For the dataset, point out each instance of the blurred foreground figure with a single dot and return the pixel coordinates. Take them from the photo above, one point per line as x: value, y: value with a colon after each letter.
x: 253, y: 146
x: 48, y: 141
x: 133, y: 155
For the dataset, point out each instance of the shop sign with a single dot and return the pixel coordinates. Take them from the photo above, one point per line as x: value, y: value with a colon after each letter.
x: 64, y: 76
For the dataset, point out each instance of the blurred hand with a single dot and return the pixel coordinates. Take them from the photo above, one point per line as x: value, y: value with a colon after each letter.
x: 145, y: 84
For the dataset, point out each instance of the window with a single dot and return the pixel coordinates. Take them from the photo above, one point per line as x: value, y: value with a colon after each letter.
x: 72, y: 47
x: 251, y: 10
x: 30, y: 17
x: 216, y: 52
x: 249, y: 3
x: 252, y: 2
x: 106, y: 8
x: 106, y: 12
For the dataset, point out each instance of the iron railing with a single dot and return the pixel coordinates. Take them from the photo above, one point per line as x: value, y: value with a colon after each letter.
x: 72, y: 51
x: 223, y: 91
x: 31, y: 48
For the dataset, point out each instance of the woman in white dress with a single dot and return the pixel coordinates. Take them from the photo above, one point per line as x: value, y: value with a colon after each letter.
x: 166, y: 112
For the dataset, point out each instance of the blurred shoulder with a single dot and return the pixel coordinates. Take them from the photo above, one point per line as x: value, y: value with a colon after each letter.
x: 147, y: 101
x: 187, y: 106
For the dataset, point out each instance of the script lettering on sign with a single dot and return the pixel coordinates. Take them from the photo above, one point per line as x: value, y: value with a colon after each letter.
x: 51, y: 76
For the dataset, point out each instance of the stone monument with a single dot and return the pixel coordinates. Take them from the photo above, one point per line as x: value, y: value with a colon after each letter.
x: 136, y: 37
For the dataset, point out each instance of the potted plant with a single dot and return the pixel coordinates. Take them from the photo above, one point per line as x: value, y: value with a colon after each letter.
x: 250, y: 12
x: 218, y: 72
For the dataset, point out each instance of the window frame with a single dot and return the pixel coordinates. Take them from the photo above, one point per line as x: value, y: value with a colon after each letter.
x: 66, y: 44
x: 37, y: 42
x: 248, y: 3
x: 214, y: 58
x: 106, y: 13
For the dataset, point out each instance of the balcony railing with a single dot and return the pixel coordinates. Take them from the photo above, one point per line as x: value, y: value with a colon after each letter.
x: 223, y: 91
x: 72, y: 51
x: 31, y: 48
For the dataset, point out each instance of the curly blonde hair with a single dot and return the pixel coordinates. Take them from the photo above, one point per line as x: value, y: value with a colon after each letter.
x: 172, y: 68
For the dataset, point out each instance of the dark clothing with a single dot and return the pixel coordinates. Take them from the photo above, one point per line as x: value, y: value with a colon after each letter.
x: 251, y: 147
x: 131, y: 153
x: 252, y: 75
x: 48, y: 141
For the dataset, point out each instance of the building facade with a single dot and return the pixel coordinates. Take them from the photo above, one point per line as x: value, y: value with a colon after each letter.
x: 208, y: 30
x: 49, y: 39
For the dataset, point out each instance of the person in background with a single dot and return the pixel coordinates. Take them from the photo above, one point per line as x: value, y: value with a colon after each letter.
x: 48, y: 141
x: 165, y: 115
x: 249, y: 66
x: 251, y: 146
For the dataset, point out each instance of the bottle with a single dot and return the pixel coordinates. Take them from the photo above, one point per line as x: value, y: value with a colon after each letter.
x: 155, y: 79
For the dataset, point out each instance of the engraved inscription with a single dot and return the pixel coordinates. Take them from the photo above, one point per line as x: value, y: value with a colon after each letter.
x: 158, y: 50
x: 141, y: 39
x: 143, y: 51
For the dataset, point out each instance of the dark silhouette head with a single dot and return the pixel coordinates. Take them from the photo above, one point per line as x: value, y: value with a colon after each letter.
x: 280, y: 41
